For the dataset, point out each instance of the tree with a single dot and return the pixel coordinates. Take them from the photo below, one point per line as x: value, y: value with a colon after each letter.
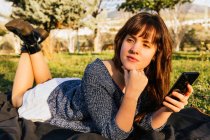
x: 190, y: 39
x: 50, y: 14
x: 97, y: 45
x: 173, y: 6
x: 93, y: 11
x: 176, y: 19
x: 156, y: 5
x: 58, y: 13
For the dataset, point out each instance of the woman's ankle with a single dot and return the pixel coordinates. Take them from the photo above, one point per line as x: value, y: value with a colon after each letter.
x: 31, y: 49
x: 23, y: 49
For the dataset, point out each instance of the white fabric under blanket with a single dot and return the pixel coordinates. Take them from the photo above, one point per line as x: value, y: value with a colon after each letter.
x: 35, y: 106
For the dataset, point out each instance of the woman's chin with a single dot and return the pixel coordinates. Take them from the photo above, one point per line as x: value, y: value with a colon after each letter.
x: 129, y: 67
x: 132, y: 67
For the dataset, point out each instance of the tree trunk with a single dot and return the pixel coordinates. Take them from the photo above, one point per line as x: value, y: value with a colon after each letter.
x: 71, y: 43
x: 177, y: 47
x: 97, y: 42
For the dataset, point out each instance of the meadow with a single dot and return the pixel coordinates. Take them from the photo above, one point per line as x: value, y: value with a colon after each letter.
x: 73, y: 65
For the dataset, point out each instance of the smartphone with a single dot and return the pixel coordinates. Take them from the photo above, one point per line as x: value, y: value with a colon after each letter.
x: 181, y: 83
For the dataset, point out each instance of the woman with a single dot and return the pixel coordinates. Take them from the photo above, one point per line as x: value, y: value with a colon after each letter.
x: 112, y: 93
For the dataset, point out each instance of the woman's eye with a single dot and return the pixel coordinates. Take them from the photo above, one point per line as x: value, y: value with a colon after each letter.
x: 130, y: 40
x: 146, y: 45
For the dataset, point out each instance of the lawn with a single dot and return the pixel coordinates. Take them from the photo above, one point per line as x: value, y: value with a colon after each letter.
x: 73, y: 65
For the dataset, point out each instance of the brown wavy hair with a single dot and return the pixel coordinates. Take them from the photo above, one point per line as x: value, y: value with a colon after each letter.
x: 158, y: 71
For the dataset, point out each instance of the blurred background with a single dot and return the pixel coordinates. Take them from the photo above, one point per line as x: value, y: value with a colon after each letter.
x: 82, y: 30
x: 90, y: 25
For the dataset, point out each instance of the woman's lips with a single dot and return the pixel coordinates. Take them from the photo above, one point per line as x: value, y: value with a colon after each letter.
x: 132, y: 59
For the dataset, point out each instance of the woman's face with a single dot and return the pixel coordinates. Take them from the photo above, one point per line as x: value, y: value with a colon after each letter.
x: 137, y: 52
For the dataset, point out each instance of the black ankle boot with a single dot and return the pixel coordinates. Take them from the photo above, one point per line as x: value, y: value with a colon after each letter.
x: 30, y: 49
x: 31, y: 37
x: 23, y: 49
x: 31, y: 42
x: 40, y: 34
x: 33, y: 48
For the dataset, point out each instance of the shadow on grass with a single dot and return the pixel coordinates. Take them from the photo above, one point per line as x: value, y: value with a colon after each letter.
x: 5, y: 85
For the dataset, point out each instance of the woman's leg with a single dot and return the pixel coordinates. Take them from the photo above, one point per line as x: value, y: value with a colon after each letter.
x: 30, y: 67
x: 24, y: 79
x: 31, y: 64
x: 40, y: 68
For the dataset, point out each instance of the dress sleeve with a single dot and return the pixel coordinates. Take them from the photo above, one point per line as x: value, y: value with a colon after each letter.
x: 101, y: 105
x: 146, y: 123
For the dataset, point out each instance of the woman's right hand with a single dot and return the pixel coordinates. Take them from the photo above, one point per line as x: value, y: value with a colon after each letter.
x: 135, y: 82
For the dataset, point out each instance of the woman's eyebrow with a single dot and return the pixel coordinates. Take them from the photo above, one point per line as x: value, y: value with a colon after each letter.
x: 132, y: 36
x: 146, y: 41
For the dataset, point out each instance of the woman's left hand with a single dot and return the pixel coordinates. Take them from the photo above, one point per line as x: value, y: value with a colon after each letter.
x: 175, y: 105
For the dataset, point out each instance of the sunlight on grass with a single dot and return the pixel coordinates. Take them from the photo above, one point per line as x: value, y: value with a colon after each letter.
x: 73, y: 65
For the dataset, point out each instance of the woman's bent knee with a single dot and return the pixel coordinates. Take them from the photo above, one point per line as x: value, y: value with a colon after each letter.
x: 17, y: 101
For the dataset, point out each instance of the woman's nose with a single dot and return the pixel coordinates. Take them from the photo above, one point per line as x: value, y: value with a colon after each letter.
x: 134, y: 49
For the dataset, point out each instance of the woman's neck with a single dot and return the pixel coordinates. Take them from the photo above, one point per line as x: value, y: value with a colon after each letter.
x: 116, y: 75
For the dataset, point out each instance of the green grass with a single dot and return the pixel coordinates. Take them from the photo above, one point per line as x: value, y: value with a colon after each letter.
x: 195, y: 62
x: 73, y: 65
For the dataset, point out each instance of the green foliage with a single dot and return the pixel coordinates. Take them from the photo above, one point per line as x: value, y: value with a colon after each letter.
x: 156, y: 5
x: 196, y: 38
x: 50, y: 13
x: 73, y: 65
x: 189, y: 39
x: 92, y: 11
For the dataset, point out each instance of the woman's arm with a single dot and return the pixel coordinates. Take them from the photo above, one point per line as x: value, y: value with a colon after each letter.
x: 135, y: 82
x: 102, y: 102
x: 171, y: 105
x: 113, y: 117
